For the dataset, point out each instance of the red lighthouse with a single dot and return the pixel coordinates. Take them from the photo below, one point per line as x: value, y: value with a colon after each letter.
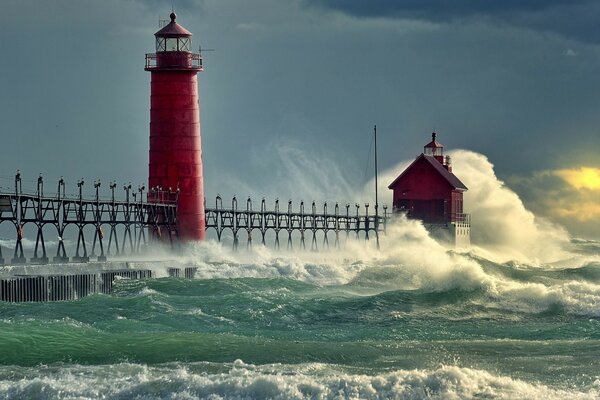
x: 175, y: 145
x: 428, y: 190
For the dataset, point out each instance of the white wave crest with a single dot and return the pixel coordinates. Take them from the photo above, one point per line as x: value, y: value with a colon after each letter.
x: 325, y: 268
x: 580, y: 298
x: 502, y: 229
x: 409, y: 259
x: 500, y: 222
x: 243, y: 381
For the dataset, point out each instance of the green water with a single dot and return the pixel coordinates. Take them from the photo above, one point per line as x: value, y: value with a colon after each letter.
x: 344, y: 332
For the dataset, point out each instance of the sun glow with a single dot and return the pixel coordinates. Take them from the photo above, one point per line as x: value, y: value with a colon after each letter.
x: 583, y: 211
x: 581, y: 178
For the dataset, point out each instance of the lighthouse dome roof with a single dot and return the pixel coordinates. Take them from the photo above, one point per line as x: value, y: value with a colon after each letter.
x: 173, y: 29
x: 434, y: 143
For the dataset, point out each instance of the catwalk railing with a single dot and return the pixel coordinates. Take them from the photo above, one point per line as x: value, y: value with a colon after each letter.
x: 132, y: 217
x: 141, y: 217
x: 341, y: 221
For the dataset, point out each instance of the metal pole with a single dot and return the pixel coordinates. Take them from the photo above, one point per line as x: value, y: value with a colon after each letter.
x: 376, y: 194
x: 18, y: 184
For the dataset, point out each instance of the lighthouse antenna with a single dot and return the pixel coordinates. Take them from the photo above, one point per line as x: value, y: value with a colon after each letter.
x: 200, y: 49
x: 162, y: 22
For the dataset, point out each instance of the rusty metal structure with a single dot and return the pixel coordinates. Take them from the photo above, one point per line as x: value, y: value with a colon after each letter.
x: 341, y: 221
x: 154, y: 212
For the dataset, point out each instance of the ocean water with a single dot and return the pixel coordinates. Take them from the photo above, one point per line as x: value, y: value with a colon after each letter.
x: 412, y: 321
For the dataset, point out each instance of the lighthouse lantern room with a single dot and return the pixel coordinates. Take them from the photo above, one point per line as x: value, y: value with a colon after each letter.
x: 434, y: 148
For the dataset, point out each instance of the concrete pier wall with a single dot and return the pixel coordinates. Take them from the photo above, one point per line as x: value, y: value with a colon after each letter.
x: 60, y: 282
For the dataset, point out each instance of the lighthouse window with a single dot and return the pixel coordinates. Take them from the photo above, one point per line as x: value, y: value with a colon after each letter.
x: 160, y: 44
x: 171, y: 44
x: 184, y: 44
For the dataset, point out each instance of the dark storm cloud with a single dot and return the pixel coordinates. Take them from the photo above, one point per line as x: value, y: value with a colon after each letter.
x: 576, y: 19
x: 440, y: 9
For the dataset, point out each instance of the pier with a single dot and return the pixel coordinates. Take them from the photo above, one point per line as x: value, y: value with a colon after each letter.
x: 312, y: 224
x: 140, y: 217
x: 134, y: 223
x: 134, y: 217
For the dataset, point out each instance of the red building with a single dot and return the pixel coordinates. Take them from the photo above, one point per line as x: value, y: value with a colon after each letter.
x: 429, y: 191
x: 175, y: 145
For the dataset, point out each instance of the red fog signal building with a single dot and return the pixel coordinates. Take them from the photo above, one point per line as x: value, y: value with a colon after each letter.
x: 428, y: 190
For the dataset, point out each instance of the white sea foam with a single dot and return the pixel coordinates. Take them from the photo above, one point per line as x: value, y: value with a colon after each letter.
x: 325, y: 268
x: 575, y: 297
x: 243, y: 381
x: 409, y: 259
x: 500, y: 221
x: 502, y: 230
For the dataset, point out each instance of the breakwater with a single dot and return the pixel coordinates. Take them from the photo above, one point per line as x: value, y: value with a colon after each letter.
x: 60, y: 282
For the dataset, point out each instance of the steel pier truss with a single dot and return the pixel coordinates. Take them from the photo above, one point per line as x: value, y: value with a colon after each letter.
x: 141, y: 217
x: 341, y: 223
x: 132, y: 217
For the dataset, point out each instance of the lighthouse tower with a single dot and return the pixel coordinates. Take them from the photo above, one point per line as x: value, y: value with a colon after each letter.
x: 175, y: 145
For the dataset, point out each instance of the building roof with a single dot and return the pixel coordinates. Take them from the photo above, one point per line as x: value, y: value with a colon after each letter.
x: 173, y: 29
x: 448, y: 176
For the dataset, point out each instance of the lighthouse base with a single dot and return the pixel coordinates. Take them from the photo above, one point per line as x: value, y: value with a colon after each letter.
x: 455, y: 234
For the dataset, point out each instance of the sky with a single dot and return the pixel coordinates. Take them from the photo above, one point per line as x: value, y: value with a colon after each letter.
x: 295, y: 86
